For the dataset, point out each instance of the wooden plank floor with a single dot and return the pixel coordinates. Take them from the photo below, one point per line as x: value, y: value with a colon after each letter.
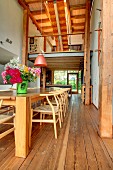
x: 78, y: 145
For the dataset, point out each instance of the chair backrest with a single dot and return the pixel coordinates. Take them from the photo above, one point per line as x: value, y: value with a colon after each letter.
x: 55, y: 96
x: 48, y: 98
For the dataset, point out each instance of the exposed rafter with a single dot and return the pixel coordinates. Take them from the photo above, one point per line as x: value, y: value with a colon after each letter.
x: 38, y: 12
x: 79, y: 6
x: 22, y: 3
x: 78, y: 16
x: 57, y: 19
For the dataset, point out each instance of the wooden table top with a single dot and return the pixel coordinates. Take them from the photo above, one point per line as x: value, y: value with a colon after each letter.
x: 31, y: 92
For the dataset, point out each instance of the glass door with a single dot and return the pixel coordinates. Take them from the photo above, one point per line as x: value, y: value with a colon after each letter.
x: 73, y: 80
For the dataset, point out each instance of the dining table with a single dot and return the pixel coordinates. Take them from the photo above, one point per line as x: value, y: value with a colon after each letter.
x: 22, y: 103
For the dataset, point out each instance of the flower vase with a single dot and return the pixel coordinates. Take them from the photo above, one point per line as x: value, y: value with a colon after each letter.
x: 22, y: 87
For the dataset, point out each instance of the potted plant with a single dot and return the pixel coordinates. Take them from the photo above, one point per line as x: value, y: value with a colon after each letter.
x: 17, y: 73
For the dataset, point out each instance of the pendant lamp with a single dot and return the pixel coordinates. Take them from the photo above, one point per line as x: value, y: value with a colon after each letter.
x: 40, y: 61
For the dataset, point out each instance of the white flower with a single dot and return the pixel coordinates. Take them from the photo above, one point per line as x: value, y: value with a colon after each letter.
x: 13, y: 63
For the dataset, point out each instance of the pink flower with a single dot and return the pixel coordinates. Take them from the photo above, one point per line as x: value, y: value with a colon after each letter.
x: 29, y: 68
x: 5, y: 81
x: 37, y: 71
x: 3, y: 73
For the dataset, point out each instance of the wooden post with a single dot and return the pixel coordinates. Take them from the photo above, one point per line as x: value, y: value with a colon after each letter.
x: 44, y: 77
x: 57, y: 44
x: 25, y: 37
x: 105, y: 70
x: 87, y: 54
x: 44, y: 44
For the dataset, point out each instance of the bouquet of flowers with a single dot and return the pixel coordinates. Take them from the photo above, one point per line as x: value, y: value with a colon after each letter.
x: 16, y: 73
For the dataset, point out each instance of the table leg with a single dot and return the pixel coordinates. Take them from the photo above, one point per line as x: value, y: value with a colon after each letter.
x: 22, y: 121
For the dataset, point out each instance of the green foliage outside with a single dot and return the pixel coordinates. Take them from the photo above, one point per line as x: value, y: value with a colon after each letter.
x: 60, y: 77
x: 74, y: 86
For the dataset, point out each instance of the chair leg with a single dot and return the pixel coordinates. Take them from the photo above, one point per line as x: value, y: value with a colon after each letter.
x: 41, y: 116
x: 63, y: 110
x: 59, y: 117
x: 55, y: 130
x: 14, y: 125
x: 30, y: 127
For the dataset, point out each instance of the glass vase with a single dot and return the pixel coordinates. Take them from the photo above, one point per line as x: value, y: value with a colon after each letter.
x: 22, y: 87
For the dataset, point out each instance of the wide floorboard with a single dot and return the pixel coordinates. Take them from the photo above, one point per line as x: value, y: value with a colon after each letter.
x: 78, y: 145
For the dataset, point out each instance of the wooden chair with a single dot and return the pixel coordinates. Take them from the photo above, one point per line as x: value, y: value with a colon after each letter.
x: 48, y: 109
x: 5, y: 117
x: 65, y: 100
x: 60, y: 100
x: 63, y: 93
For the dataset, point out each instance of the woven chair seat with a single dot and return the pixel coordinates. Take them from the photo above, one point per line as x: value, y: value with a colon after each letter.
x: 45, y: 108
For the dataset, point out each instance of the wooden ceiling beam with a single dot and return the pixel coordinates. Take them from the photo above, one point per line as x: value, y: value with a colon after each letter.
x: 45, y: 5
x: 61, y: 66
x: 56, y: 35
x: 65, y: 62
x: 78, y: 30
x: 62, y: 61
x: 62, y: 17
x: 65, y: 68
x: 78, y: 24
x: 46, y: 27
x: 65, y: 42
x: 64, y: 65
x: 30, y: 14
x: 58, y: 25
x: 35, y: 1
x: 33, y: 19
x: 51, y: 11
x: 38, y: 12
x: 79, y: 6
x: 58, y: 59
x: 78, y: 16
x: 69, y: 24
x: 45, y: 20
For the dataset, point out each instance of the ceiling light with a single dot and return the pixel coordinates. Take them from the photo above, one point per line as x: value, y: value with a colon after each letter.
x: 40, y: 61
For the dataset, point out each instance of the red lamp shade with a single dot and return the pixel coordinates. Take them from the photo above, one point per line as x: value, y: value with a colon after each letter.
x: 40, y: 61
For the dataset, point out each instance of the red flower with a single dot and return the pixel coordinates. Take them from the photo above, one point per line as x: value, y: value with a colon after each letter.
x: 13, y: 72
x: 15, y: 75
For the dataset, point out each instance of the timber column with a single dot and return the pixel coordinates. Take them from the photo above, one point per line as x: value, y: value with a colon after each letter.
x: 105, y: 70
x: 87, y: 54
x: 25, y: 37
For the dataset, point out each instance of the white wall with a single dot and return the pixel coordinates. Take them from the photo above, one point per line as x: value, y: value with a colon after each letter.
x: 76, y: 39
x: 95, y: 17
x: 11, y: 25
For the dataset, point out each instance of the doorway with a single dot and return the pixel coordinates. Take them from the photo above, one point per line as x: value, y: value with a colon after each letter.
x: 72, y: 79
